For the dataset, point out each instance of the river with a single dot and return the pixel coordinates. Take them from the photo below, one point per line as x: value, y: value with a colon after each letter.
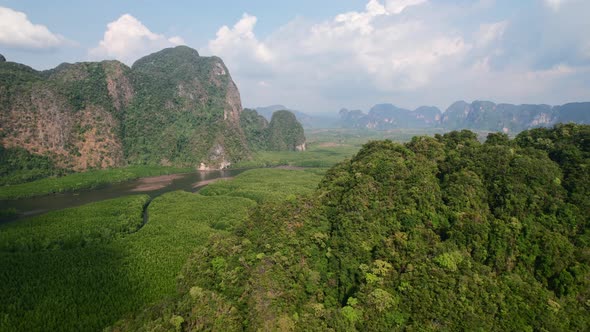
x: 153, y: 186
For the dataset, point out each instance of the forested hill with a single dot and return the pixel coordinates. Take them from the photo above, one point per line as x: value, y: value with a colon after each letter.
x: 441, y: 234
x: 173, y: 107
x: 283, y: 133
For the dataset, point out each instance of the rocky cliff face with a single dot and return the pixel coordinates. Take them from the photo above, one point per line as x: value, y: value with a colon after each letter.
x: 50, y: 113
x: 172, y: 107
x: 186, y: 111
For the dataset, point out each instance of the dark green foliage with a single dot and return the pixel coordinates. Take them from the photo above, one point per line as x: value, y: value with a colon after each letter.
x: 440, y: 233
x: 284, y: 132
x: 178, y: 112
x: 18, y: 165
x: 263, y: 185
x: 83, y: 268
x: 83, y: 84
x: 255, y: 128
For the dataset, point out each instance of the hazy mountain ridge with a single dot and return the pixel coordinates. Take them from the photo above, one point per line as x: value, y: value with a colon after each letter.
x: 478, y: 115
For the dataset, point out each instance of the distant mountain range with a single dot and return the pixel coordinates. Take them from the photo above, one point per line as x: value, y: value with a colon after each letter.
x: 478, y: 115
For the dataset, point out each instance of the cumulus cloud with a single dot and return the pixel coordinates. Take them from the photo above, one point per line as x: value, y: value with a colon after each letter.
x: 16, y: 31
x: 241, y: 41
x: 431, y: 54
x: 398, y: 6
x: 127, y: 39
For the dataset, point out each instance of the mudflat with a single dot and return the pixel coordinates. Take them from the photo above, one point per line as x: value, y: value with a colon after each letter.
x: 155, y: 182
x: 206, y: 182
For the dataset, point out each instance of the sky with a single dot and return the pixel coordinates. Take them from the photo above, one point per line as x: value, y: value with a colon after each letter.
x: 321, y: 56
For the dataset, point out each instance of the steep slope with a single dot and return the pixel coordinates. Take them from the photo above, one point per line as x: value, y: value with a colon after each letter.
x: 71, y: 113
x: 255, y: 128
x: 172, y: 107
x: 187, y: 111
x: 285, y: 132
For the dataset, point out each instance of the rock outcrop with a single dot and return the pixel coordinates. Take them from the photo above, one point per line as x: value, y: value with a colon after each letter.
x: 285, y: 132
x: 172, y: 107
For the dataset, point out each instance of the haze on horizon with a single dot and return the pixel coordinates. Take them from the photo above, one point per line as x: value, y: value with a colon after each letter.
x: 319, y: 58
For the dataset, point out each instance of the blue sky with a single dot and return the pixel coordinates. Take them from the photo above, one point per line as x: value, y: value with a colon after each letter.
x: 320, y: 56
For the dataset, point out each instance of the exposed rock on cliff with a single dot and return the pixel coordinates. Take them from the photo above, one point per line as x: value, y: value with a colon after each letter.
x: 186, y: 110
x: 172, y: 107
x: 65, y: 113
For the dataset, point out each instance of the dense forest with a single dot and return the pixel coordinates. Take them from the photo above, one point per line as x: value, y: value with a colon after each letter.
x: 441, y: 233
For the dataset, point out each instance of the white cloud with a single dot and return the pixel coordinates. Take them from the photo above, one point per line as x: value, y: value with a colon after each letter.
x: 17, y: 31
x: 127, y: 39
x: 398, y: 6
x: 240, y: 41
x: 373, y: 45
x: 555, y: 4
x: 490, y: 33
x: 386, y: 53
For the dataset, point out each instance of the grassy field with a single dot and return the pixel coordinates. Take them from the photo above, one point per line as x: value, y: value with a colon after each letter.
x: 267, y: 184
x: 327, y: 147
x: 81, y: 269
x: 86, y: 180
x: 78, y: 227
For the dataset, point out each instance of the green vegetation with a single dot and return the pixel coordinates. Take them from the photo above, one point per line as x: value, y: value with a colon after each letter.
x: 17, y: 165
x: 285, y: 132
x: 442, y: 233
x: 327, y: 147
x: 194, y: 91
x: 172, y: 107
x: 86, y: 180
x: 76, y: 227
x: 84, y: 268
x: 314, y: 156
x: 263, y: 185
x: 255, y: 129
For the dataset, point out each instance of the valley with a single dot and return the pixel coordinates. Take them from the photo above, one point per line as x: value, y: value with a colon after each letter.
x: 144, y: 197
